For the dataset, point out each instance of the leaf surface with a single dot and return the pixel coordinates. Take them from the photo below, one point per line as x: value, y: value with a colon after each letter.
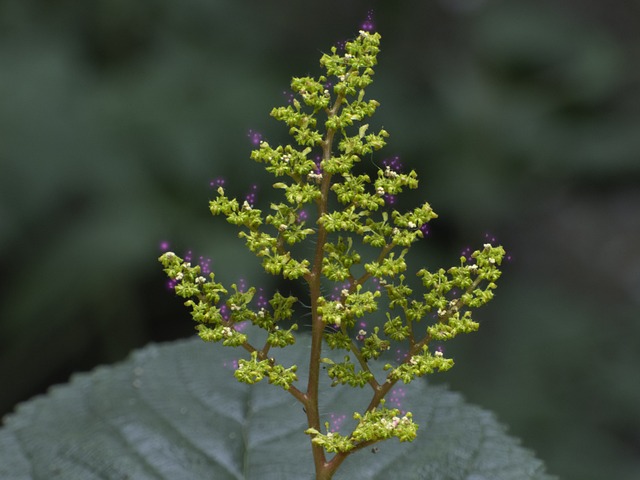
x: 174, y: 411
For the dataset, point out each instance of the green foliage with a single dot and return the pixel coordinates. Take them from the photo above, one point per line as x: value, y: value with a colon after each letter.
x: 173, y: 411
x: 324, y: 111
x: 377, y: 424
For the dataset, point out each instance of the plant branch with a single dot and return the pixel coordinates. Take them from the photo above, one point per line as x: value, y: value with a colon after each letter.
x: 317, y: 328
x: 364, y: 365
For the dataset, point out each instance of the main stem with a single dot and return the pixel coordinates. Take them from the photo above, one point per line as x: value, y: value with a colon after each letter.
x: 324, y: 469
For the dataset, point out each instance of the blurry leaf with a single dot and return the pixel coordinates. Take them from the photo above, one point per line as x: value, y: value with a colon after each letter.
x: 175, y: 411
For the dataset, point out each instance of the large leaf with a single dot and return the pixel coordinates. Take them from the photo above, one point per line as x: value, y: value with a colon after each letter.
x: 176, y: 412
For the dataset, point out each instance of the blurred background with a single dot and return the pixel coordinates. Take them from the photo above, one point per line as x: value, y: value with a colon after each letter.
x: 521, y: 117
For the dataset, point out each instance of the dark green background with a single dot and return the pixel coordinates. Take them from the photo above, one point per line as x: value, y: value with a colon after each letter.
x: 522, y: 119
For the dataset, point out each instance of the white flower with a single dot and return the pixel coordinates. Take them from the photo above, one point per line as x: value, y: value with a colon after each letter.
x: 315, y: 176
x: 411, y: 225
x: 380, y: 191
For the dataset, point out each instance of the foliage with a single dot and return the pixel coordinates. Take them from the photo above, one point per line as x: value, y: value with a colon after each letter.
x: 172, y: 411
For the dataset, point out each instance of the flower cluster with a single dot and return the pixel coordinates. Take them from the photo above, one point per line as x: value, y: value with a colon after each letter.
x: 224, y: 323
x: 320, y: 173
x: 375, y: 425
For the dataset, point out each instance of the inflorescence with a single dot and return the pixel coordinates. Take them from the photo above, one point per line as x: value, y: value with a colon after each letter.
x: 344, y: 213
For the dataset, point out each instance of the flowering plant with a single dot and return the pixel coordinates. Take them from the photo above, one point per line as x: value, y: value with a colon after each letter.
x: 351, y: 219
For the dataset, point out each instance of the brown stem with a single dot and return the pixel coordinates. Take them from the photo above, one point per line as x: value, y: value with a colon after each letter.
x: 317, y: 325
x: 364, y: 365
x: 384, y: 388
x: 298, y: 395
x: 332, y: 466
x: 366, y: 276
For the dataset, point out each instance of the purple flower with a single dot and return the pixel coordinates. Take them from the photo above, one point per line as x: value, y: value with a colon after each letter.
x: 217, y: 182
x: 368, y: 25
x: 336, y: 421
x: 395, y: 398
x: 302, y: 216
x: 251, y: 196
x: 255, y: 137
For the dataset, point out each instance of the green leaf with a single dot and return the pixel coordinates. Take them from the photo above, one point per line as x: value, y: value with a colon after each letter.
x: 175, y: 411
